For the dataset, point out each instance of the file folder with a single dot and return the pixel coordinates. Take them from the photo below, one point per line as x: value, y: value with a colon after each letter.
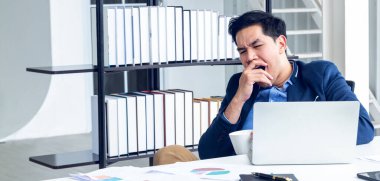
x: 120, y: 39
x: 186, y: 35
x: 207, y: 35
x: 128, y: 27
x: 144, y: 35
x: 179, y: 34
x: 154, y: 34
x: 194, y: 35
x: 162, y: 41
x: 136, y: 36
x: 170, y: 33
x: 201, y: 35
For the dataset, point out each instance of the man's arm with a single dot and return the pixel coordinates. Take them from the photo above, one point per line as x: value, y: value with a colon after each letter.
x: 337, y: 90
x: 215, y: 141
x: 251, y: 75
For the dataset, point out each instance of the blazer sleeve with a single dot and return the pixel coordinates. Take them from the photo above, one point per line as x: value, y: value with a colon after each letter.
x: 337, y: 90
x: 215, y: 142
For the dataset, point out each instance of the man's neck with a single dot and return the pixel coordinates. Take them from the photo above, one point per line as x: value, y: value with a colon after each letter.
x: 284, y: 75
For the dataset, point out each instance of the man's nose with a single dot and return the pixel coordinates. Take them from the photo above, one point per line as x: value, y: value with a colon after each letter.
x: 251, y: 55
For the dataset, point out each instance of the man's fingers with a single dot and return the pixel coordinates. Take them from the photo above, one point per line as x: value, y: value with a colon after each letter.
x: 256, y: 64
x: 261, y: 71
x: 257, y: 70
x: 257, y: 76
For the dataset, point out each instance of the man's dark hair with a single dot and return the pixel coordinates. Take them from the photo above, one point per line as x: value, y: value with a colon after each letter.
x: 272, y: 26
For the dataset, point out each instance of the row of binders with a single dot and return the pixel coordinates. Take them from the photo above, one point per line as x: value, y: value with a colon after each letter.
x: 149, y: 120
x: 156, y: 35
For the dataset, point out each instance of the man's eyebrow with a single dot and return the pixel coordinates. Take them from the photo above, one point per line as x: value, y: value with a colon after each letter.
x: 251, y: 44
x: 254, y: 42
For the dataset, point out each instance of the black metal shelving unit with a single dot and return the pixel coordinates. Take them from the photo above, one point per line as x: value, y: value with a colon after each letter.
x: 86, y: 157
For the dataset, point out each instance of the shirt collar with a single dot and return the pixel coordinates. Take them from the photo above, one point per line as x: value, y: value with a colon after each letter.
x: 291, y: 78
x: 294, y: 75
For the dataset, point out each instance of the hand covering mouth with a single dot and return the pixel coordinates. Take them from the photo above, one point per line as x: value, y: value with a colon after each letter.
x: 261, y: 67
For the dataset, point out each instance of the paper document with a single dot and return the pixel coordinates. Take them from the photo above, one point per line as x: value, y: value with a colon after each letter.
x: 200, y: 171
x: 111, y: 174
x: 374, y: 158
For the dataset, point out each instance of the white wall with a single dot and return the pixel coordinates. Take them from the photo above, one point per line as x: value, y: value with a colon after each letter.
x: 333, y: 32
x: 357, y: 47
x: 378, y: 50
x: 44, y: 33
x: 373, y: 46
x: 23, y: 43
x: 346, y: 39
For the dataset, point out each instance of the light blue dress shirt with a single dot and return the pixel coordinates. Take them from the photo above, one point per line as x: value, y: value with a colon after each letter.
x: 269, y: 94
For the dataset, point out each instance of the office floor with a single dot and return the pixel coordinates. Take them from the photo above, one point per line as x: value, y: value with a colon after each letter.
x: 15, y: 164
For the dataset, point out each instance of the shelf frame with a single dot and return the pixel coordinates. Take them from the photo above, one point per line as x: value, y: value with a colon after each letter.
x: 101, y: 89
x: 86, y: 157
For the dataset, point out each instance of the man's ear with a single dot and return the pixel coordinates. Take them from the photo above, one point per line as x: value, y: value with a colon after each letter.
x: 281, y: 42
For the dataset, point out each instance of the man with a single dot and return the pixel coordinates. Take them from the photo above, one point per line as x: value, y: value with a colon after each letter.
x: 269, y: 76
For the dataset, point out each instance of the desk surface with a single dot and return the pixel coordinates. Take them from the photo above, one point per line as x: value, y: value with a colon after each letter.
x: 240, y: 165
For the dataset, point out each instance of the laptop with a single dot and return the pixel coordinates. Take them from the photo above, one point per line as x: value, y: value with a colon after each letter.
x: 304, y: 132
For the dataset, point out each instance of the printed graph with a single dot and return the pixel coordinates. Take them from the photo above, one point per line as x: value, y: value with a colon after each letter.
x: 210, y: 171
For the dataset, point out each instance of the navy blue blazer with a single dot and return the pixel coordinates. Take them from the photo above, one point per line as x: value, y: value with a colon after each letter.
x: 317, y: 78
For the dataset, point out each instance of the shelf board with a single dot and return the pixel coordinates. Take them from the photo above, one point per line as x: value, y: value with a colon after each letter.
x: 67, y: 69
x: 86, y: 157
x: 66, y: 160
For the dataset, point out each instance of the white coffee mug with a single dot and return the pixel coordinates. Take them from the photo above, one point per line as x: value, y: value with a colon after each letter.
x: 241, y: 141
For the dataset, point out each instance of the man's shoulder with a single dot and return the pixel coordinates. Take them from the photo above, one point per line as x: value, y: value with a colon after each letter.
x: 317, y: 66
x: 233, y: 83
x: 236, y: 76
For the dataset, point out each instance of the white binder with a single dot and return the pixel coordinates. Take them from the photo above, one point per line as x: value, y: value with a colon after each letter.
x: 128, y: 27
x: 136, y: 36
x: 120, y: 39
x: 162, y: 41
x: 154, y: 34
x: 186, y: 35
x: 178, y: 33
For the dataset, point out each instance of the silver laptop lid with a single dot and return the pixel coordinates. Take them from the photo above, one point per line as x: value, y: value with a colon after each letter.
x: 304, y: 132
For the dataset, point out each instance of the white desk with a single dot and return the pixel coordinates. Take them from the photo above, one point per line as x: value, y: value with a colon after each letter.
x: 240, y: 165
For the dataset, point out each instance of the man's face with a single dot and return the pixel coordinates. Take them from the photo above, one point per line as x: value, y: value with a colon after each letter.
x: 254, y: 47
